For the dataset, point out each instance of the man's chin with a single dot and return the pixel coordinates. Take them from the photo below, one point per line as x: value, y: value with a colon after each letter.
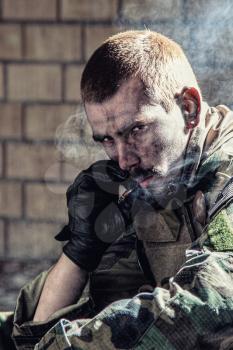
x: 153, y: 189
x: 154, y: 184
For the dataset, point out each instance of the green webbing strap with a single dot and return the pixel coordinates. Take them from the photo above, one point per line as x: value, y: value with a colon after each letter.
x: 220, y: 227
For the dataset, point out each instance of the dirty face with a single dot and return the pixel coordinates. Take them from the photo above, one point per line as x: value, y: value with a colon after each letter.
x: 141, y: 136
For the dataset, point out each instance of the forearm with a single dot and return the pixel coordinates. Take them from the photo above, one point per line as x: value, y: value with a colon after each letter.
x: 62, y: 287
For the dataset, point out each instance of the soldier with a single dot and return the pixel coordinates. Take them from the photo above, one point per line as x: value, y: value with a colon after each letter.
x: 171, y: 156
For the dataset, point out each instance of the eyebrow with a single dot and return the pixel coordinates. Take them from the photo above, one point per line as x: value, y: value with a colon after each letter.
x: 126, y: 128
x: 120, y: 132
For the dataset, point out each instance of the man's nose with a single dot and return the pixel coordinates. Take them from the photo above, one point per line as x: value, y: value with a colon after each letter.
x: 127, y: 157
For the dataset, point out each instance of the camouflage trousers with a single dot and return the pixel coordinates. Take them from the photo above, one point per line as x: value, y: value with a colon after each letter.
x: 196, y: 313
x: 118, y: 276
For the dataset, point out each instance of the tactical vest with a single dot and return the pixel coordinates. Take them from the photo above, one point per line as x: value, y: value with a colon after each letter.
x: 165, y: 235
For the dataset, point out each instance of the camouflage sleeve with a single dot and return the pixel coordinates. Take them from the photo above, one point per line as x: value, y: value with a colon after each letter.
x: 195, y: 313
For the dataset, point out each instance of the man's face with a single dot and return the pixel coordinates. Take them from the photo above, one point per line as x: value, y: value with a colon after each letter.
x: 142, y: 137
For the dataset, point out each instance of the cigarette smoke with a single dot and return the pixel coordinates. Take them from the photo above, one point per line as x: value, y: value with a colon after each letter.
x: 203, y: 28
x: 74, y: 141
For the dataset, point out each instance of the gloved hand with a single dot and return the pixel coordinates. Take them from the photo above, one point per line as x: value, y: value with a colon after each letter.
x: 95, y: 219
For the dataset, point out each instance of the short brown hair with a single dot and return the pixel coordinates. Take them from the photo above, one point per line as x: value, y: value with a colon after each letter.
x: 156, y: 60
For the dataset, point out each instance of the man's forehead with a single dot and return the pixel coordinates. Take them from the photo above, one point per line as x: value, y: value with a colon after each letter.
x: 127, y: 106
x: 99, y: 112
x: 128, y: 98
x: 117, y: 120
x: 130, y: 89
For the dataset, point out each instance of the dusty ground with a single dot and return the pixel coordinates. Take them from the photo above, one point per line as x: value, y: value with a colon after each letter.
x: 13, y: 275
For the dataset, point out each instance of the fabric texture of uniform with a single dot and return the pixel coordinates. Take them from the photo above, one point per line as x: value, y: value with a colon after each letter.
x: 195, y: 313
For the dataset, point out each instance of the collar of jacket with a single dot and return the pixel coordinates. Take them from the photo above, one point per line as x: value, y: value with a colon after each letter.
x: 215, y: 129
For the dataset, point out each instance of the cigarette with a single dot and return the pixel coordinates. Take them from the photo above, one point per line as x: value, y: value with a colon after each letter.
x: 125, y: 195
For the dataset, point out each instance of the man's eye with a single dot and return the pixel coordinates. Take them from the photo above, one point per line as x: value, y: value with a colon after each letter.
x: 107, y: 141
x: 139, y: 129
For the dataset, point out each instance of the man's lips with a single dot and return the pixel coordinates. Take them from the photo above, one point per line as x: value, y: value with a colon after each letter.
x: 146, y: 181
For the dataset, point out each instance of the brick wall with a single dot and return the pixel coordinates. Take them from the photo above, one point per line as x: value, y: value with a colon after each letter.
x: 44, y: 45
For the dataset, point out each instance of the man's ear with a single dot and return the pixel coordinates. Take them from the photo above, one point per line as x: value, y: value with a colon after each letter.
x: 191, y: 106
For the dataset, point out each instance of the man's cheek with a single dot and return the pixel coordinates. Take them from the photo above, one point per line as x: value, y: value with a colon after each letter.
x: 111, y: 152
x: 149, y: 157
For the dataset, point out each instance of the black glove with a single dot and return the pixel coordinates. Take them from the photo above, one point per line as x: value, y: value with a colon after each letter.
x: 95, y: 220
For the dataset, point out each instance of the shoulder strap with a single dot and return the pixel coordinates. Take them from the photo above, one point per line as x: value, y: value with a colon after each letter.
x: 223, y: 199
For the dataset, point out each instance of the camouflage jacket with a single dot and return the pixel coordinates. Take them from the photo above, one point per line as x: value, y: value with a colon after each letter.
x: 195, y: 313
x: 196, y: 310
